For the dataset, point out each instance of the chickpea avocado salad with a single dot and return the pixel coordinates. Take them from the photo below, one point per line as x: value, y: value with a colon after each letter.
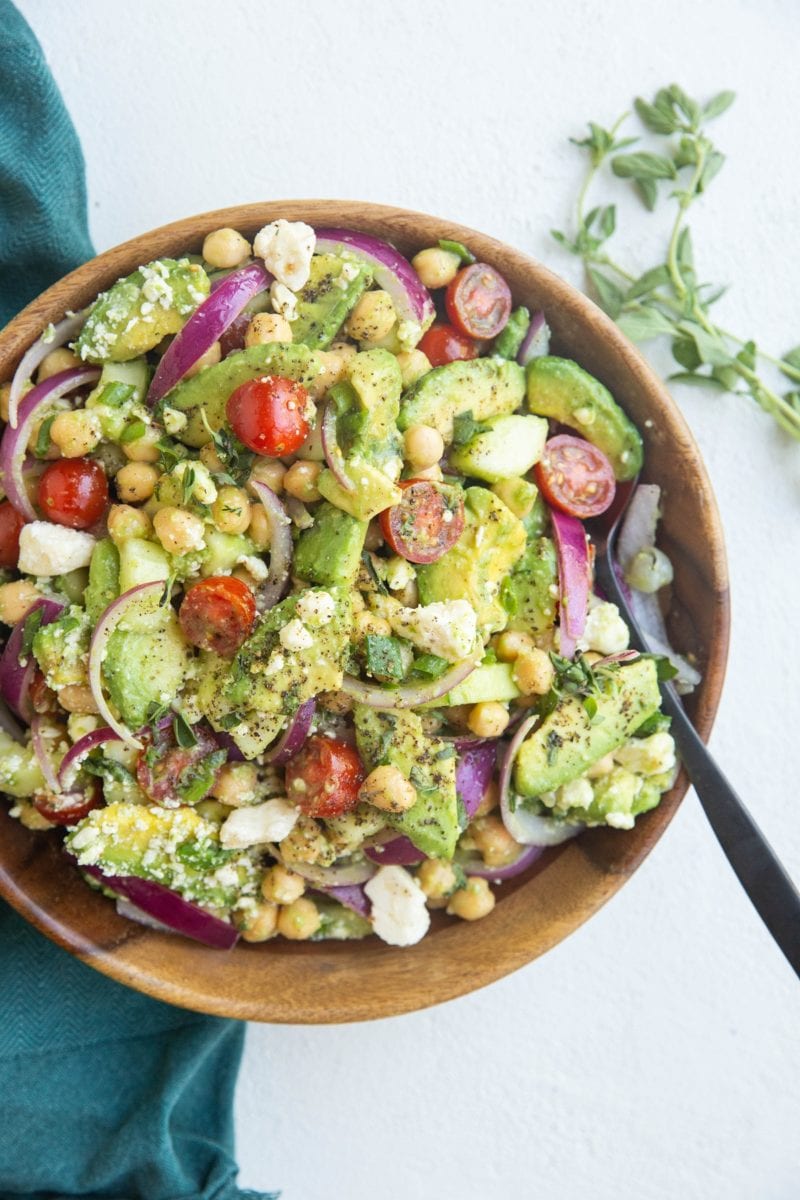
x: 302, y: 638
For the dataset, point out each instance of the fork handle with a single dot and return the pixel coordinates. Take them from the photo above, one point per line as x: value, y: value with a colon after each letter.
x: 757, y: 867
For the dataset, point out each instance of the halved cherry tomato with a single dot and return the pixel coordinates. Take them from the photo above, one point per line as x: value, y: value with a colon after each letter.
x: 426, y: 523
x: 324, y: 778
x: 443, y: 344
x: 217, y: 614
x: 73, y: 492
x: 43, y: 699
x: 268, y: 415
x: 233, y: 337
x: 10, y: 525
x: 576, y: 477
x: 165, y: 770
x: 478, y: 301
x: 69, y: 807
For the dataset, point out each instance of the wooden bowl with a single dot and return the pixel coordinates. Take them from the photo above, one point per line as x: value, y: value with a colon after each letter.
x: 329, y: 981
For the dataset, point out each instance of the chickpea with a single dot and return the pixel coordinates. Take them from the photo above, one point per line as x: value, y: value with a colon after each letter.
x: 368, y: 623
x: 144, y: 448
x: 76, y: 432
x: 388, y: 789
x: 301, y: 481
x: 231, y: 510
x: 15, y: 600
x: 495, y: 843
x: 424, y: 446
x: 136, y: 482
x: 436, y: 267
x: 603, y: 766
x: 472, y: 902
x: 409, y: 595
x: 357, y: 602
x: 178, y: 530
x: 372, y: 317
x: 259, y: 529
x: 433, y: 473
x: 236, y: 784
x: 534, y: 673
x: 437, y: 879
x: 413, y: 365
x: 225, y: 248
x: 511, y: 643
x: 244, y: 576
x: 334, y: 368
x: 306, y: 843
x: 336, y: 702
x: 76, y: 698
x: 282, y: 886
x: 267, y: 327
x: 300, y: 920
x: 209, y: 458
x: 489, y: 801
x: 60, y: 359
x: 30, y: 817
x: 488, y: 719
x: 268, y: 471
x: 258, y: 924
x: 5, y: 392
x: 210, y: 358
x: 125, y: 522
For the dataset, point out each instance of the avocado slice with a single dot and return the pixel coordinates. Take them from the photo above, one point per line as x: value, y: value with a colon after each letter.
x: 141, y: 561
x: 330, y: 551
x: 568, y: 741
x: 61, y: 648
x: 558, y: 388
x: 334, y: 285
x: 397, y: 737
x: 486, y: 387
x: 137, y: 312
x: 508, y: 446
x: 103, y: 586
x: 529, y: 593
x: 492, y: 542
x: 490, y: 681
x: 211, y: 388
x: 20, y: 773
x: 146, y: 661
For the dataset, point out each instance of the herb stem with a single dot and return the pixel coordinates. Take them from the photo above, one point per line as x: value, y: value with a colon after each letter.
x: 684, y: 202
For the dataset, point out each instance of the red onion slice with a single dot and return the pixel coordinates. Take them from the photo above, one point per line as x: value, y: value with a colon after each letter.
x: 574, y: 578
x: 474, y: 771
x: 407, y: 697
x: 280, y: 548
x: 9, y: 724
x: 536, y: 342
x: 14, y: 444
x: 62, y: 332
x: 97, y: 651
x: 71, y: 762
x: 392, y: 272
x: 341, y: 876
x: 16, y: 677
x: 170, y: 909
x: 334, y: 457
x: 395, y: 852
x: 38, y: 741
x: 206, y: 325
x: 294, y: 737
x: 352, y: 896
x: 474, y: 865
x: 528, y: 828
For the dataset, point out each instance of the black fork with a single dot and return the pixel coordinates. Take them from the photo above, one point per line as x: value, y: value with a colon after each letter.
x: 757, y: 867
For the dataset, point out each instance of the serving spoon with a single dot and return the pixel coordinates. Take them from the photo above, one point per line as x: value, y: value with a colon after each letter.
x: 757, y: 867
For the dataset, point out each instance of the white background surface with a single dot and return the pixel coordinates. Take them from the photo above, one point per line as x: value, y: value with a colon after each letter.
x: 652, y: 1056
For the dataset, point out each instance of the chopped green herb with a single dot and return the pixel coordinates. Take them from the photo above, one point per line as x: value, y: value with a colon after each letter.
x: 197, y: 779
x: 458, y: 248
x: 430, y: 665
x: 170, y: 454
x: 237, y: 459
x: 231, y: 720
x: 132, y: 432
x: 384, y: 658
x: 371, y: 569
x: 184, y: 734
x: 33, y: 623
x: 107, y: 768
x: 114, y: 395
x: 43, y: 436
x: 465, y: 427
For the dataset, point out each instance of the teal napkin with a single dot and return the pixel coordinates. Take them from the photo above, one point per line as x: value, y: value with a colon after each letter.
x: 105, y: 1093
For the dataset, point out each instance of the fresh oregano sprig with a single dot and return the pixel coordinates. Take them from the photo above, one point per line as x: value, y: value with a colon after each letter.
x: 668, y: 299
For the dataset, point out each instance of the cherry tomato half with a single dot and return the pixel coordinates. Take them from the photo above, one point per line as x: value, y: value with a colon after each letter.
x: 478, y: 301
x: 233, y: 337
x: 268, y: 415
x: 217, y: 614
x: 443, y: 344
x: 576, y: 477
x: 10, y: 525
x: 73, y: 492
x: 165, y: 770
x: 426, y: 523
x: 324, y: 778
x: 43, y: 700
x: 70, y: 807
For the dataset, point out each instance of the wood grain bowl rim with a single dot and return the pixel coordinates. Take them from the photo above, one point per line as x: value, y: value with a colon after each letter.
x: 336, y: 982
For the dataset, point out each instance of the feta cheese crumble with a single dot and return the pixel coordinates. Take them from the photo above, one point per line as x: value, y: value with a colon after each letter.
x: 48, y: 549
x: 295, y: 636
x: 258, y: 823
x: 447, y: 628
x: 284, y: 301
x: 399, y: 915
x: 316, y: 608
x: 286, y: 248
x: 605, y: 631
